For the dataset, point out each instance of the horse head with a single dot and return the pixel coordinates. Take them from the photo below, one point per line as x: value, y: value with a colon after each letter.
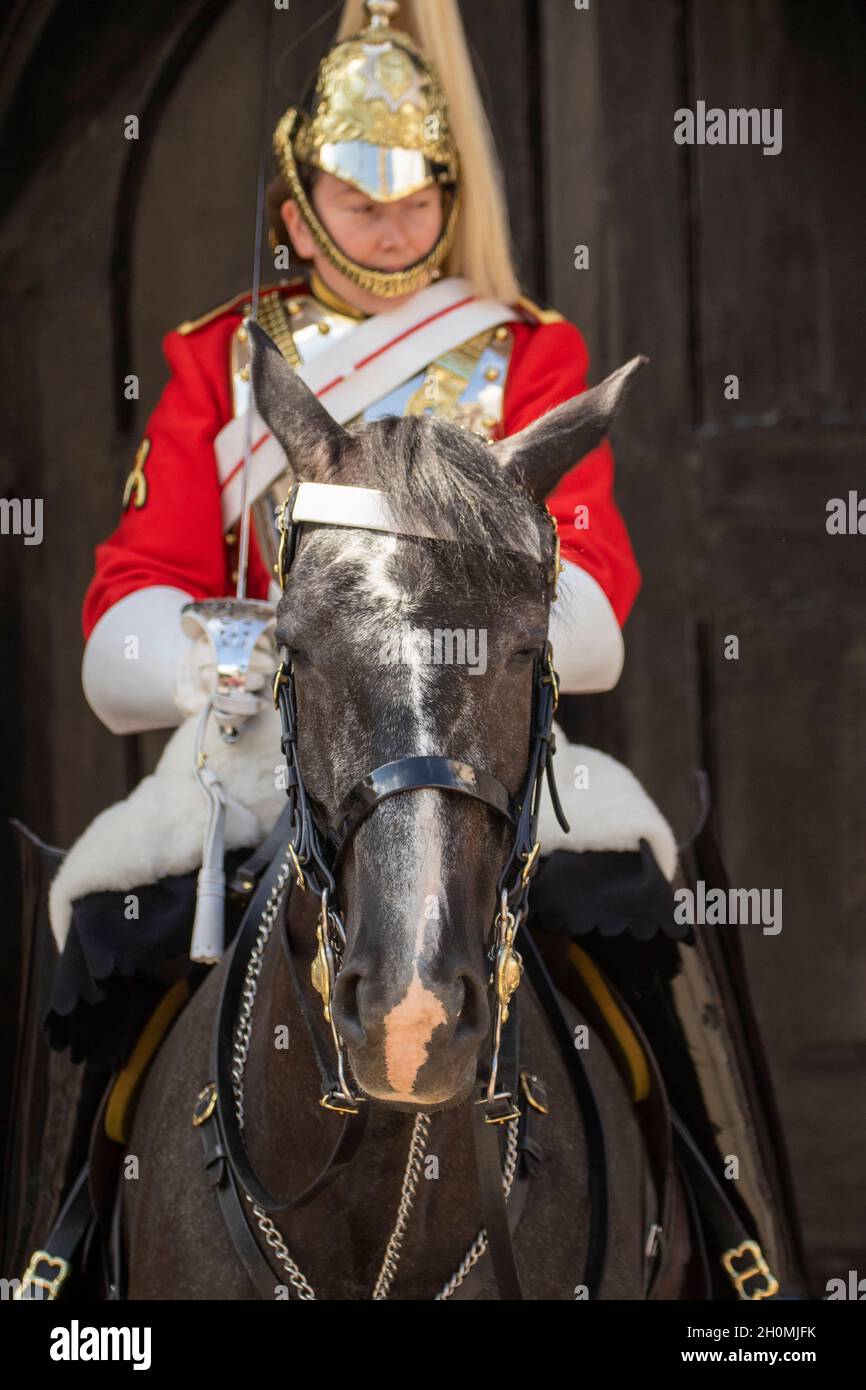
x: 411, y: 645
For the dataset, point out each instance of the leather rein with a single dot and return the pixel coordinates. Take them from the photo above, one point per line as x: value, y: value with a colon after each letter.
x: 308, y: 856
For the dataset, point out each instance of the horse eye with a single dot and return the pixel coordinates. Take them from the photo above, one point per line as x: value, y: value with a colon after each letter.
x: 290, y: 653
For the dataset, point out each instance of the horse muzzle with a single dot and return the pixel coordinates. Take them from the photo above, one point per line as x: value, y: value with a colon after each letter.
x: 415, y: 1042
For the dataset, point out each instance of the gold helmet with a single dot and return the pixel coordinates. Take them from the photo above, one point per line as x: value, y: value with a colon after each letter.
x: 377, y: 119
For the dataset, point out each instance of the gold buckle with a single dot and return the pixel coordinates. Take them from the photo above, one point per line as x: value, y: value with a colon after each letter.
x: 296, y: 865
x: 550, y: 678
x: 526, y: 1088
x: 511, y: 1110
x: 204, y: 1104
x: 33, y: 1280
x: 530, y: 858
x: 280, y: 678
x: 338, y: 1104
x: 759, y: 1267
x: 503, y: 1119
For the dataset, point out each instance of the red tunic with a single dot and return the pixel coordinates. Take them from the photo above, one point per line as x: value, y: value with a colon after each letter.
x: 176, y: 538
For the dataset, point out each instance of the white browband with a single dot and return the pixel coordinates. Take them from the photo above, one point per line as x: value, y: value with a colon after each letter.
x: 368, y: 508
x: 364, y: 507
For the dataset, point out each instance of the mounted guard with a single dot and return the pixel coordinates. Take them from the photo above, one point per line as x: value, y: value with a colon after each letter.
x: 389, y: 189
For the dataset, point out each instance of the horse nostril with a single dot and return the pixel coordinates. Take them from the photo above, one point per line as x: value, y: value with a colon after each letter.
x: 472, y: 1019
x: 345, y: 1008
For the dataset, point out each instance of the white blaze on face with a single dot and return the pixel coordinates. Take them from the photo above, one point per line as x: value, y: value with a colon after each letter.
x: 412, y: 875
x: 410, y: 1025
x: 408, y: 1030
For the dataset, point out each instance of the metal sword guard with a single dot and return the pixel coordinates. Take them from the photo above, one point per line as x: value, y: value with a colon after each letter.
x: 233, y: 626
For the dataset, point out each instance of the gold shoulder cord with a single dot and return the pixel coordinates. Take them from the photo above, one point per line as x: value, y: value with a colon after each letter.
x: 536, y: 312
x: 190, y: 325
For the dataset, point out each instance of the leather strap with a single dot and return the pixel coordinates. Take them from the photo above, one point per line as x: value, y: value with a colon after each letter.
x: 542, y: 745
x: 700, y: 1260
x: 531, y: 1155
x: 320, y: 1049
x: 116, y: 1263
x: 353, y: 1126
x: 665, y: 1132
x: 248, y: 874
x: 716, y: 1209
x: 47, y: 1268
x: 482, y: 1271
x: 653, y: 1112
x: 253, y: 1259
x: 488, y: 1118
x: 265, y: 1279
x: 412, y: 774
x: 493, y: 1205
x: 592, y: 1123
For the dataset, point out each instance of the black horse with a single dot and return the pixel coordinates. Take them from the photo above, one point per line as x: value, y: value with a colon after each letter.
x: 412, y: 1004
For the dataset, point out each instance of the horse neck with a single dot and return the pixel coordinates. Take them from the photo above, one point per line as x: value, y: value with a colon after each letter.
x: 340, y: 1238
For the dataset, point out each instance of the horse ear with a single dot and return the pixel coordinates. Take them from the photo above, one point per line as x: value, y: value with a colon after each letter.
x: 548, y: 448
x: 310, y: 436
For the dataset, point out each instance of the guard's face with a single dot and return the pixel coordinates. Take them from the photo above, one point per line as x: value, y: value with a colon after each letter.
x: 383, y: 236
x: 386, y: 236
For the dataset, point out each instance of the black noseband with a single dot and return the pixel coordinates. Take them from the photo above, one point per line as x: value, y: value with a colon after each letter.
x: 413, y: 774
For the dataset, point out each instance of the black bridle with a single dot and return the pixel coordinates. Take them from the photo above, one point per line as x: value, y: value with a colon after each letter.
x: 314, y: 854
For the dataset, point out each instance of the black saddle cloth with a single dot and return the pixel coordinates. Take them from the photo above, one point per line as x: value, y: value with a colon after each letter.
x: 608, y: 892
x: 113, y: 971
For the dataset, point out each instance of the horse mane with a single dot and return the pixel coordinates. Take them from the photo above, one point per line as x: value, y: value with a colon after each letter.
x: 450, y: 477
